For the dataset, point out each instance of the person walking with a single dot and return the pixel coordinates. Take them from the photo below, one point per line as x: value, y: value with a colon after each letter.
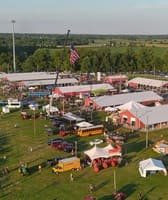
x: 140, y: 196
x: 39, y: 168
x: 71, y: 177
x: 91, y: 188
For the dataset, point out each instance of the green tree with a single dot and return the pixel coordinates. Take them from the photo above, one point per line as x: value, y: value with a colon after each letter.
x: 145, y: 59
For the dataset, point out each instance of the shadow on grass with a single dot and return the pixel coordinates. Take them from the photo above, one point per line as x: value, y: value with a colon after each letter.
x: 4, y: 150
x: 144, y: 196
x: 35, y: 168
x: 127, y: 189
x: 101, y: 185
x: 135, y: 146
x: 107, y: 197
x: 54, y: 183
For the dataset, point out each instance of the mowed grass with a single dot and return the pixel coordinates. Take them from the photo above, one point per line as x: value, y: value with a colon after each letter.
x: 15, y: 143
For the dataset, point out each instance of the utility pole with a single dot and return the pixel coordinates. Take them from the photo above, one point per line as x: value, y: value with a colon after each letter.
x: 147, y: 132
x: 13, y: 37
x: 76, y: 148
x: 115, y: 185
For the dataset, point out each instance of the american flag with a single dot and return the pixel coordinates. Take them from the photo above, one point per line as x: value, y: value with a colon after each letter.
x: 74, y: 56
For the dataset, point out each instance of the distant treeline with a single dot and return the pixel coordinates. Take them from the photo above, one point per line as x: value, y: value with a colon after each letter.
x: 44, y: 52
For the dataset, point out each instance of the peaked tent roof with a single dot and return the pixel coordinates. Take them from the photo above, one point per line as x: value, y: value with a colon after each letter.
x: 84, y: 124
x: 97, y: 152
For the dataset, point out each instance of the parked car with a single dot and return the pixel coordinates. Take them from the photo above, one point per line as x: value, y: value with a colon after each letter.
x: 64, y: 133
x: 55, y: 140
x: 69, y: 149
x: 65, y: 146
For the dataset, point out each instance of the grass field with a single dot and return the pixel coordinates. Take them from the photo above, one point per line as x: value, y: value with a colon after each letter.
x: 15, y: 143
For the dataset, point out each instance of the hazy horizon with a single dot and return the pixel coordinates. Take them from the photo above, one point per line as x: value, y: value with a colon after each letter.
x: 108, y: 17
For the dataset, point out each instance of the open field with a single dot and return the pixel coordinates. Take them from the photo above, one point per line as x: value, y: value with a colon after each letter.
x: 15, y: 143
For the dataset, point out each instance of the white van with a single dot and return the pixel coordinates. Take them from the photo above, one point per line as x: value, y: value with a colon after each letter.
x: 14, y: 103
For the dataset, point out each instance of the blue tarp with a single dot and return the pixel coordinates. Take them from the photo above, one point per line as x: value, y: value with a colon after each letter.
x: 39, y: 94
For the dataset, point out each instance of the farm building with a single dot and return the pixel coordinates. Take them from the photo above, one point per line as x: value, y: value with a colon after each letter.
x: 146, y: 98
x: 82, y: 89
x: 37, y: 79
x: 141, y: 117
x: 158, y: 86
x: 116, y: 80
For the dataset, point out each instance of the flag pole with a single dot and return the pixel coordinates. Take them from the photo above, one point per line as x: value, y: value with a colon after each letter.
x: 57, y: 70
x: 62, y: 56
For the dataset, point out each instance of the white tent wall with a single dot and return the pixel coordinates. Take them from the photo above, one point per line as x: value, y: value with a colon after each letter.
x: 152, y: 166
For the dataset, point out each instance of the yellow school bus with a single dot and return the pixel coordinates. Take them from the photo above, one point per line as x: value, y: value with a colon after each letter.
x: 91, y: 130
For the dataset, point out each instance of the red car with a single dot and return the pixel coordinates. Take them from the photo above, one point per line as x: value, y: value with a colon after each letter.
x: 57, y: 143
x: 63, y: 133
x: 119, y: 196
x: 64, y: 145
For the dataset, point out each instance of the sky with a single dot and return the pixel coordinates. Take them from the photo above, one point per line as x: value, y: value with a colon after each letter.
x: 85, y: 16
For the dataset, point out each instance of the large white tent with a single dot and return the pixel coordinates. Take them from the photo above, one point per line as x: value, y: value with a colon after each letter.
x: 98, y: 152
x: 152, y: 166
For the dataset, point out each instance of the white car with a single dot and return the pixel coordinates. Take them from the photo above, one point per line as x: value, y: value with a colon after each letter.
x: 96, y: 141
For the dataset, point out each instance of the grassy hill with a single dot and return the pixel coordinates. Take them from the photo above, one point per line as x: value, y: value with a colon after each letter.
x: 16, y: 142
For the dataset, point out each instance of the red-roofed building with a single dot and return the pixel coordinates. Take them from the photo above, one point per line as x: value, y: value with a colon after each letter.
x: 117, y: 79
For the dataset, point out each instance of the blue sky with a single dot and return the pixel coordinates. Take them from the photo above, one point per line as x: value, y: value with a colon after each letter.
x: 85, y: 16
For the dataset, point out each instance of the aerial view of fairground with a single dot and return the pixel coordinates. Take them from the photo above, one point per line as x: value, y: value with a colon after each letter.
x: 83, y: 110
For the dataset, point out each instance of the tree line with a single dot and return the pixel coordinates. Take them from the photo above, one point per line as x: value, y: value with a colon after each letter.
x: 44, y: 53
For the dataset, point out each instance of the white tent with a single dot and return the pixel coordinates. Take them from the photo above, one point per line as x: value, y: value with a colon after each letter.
x: 97, y: 152
x: 152, y: 166
x: 33, y: 106
x: 84, y: 124
x: 51, y: 109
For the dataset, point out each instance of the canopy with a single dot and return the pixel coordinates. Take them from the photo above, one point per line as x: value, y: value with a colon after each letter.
x: 151, y: 165
x: 34, y: 106
x: 84, y: 124
x: 97, y: 152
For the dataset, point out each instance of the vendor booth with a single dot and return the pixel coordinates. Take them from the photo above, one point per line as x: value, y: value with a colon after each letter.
x: 102, y: 158
x: 50, y: 109
x: 151, y: 166
x: 106, y: 152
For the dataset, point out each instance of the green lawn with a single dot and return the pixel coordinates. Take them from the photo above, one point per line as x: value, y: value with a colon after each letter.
x: 15, y: 143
